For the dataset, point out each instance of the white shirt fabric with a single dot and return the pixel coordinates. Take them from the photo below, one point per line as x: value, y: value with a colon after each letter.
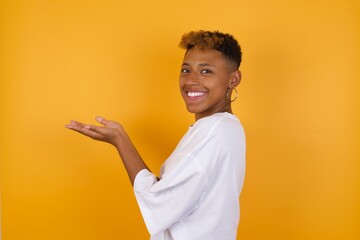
x: 197, y: 197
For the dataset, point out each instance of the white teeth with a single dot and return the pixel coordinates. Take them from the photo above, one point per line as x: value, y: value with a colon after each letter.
x: 195, y: 94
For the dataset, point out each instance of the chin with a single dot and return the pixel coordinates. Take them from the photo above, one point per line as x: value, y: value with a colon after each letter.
x: 190, y: 109
x: 193, y: 110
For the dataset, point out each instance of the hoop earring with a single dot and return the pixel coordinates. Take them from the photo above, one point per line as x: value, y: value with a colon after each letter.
x: 227, y: 95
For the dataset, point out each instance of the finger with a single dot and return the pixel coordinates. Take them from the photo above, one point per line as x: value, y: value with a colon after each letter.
x: 101, y: 120
x: 87, y: 130
x: 97, y: 129
x: 76, y: 123
x: 75, y: 126
x: 70, y: 125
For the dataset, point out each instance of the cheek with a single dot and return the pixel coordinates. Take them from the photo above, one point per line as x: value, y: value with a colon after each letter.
x: 219, y: 85
x: 181, y: 81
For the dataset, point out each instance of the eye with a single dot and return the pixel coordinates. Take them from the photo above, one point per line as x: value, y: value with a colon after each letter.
x: 184, y: 70
x: 206, y: 71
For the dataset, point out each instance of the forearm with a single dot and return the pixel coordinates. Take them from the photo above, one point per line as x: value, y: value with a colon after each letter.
x: 130, y: 157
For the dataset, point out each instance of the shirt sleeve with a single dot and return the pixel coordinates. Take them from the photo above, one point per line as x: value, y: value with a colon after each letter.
x: 176, y: 195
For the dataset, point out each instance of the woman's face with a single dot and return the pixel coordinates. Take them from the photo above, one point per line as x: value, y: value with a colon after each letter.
x: 204, y: 79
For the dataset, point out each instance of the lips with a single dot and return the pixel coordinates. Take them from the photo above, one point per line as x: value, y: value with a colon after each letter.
x: 195, y: 94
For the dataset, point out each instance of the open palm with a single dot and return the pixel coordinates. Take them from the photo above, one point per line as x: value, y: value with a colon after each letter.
x: 109, y: 132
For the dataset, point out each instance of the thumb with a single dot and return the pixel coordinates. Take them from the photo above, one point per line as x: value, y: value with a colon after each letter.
x: 101, y: 120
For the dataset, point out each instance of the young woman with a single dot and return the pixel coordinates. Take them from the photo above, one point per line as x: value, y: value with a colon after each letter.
x: 197, y: 193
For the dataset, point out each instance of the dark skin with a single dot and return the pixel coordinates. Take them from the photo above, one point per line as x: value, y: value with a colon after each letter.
x: 208, y: 75
x: 204, y: 80
x: 113, y: 133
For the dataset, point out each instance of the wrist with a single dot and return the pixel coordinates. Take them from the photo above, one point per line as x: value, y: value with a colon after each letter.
x: 118, y: 138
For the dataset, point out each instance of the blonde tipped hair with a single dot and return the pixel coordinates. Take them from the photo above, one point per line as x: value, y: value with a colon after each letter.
x: 216, y: 40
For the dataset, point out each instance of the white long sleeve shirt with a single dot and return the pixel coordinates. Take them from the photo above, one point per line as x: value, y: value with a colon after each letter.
x: 197, y: 197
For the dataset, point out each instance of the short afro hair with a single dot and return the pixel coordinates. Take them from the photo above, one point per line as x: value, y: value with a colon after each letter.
x: 222, y: 42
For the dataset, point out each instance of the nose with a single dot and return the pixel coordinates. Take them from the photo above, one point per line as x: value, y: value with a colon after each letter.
x: 193, y: 79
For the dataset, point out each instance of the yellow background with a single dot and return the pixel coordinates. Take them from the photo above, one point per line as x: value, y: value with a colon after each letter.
x: 72, y: 59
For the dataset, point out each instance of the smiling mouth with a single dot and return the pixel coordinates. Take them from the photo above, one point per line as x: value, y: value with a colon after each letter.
x: 195, y: 94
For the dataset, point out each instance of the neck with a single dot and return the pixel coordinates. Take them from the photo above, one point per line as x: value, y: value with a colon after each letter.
x: 225, y: 108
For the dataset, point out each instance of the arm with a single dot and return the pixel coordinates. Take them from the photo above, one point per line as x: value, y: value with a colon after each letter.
x: 113, y: 133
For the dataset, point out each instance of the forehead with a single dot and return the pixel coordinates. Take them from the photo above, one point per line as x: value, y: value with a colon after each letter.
x: 196, y: 55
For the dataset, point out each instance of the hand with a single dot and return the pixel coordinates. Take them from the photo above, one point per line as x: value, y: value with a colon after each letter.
x: 113, y: 133
x: 109, y: 133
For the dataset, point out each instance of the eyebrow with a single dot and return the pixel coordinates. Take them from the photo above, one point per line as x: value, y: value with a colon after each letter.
x: 200, y: 64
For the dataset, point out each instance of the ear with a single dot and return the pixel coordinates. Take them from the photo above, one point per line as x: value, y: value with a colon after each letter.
x: 235, y: 79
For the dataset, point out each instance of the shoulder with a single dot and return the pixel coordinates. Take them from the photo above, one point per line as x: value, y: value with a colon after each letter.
x: 219, y: 124
x: 220, y: 149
